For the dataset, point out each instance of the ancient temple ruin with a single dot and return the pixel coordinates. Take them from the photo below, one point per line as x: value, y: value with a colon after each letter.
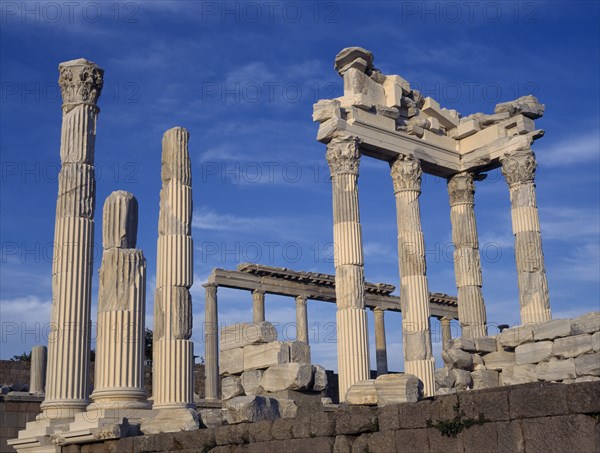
x: 251, y: 375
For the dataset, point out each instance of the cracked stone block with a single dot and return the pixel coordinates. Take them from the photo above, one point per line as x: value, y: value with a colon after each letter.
x: 533, y: 352
x: 231, y: 387
x: 397, y: 388
x: 572, y: 346
x: 247, y: 333
x: 288, y: 376
x: 363, y: 393
x: 557, y: 370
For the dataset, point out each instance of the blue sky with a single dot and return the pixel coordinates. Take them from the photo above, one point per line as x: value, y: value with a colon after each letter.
x: 242, y: 78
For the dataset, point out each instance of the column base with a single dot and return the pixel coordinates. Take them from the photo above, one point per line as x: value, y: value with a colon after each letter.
x: 170, y: 421
x: 37, y: 436
x: 424, y: 370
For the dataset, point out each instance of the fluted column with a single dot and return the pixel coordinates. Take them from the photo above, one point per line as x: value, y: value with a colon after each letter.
x: 301, y: 319
x: 518, y: 169
x: 446, y: 331
x: 211, y: 348
x: 467, y: 264
x: 343, y: 157
x: 69, y: 340
x: 173, y: 351
x: 258, y: 305
x: 119, y: 371
x: 414, y: 293
x: 37, y: 373
x: 380, y: 343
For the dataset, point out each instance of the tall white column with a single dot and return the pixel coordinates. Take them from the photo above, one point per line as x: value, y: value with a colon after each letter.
x: 172, y: 370
x: 69, y: 340
x: 258, y: 305
x: 211, y: 348
x: 518, y: 169
x: 119, y: 373
x: 380, y: 342
x: 37, y: 373
x: 414, y: 293
x: 301, y: 319
x: 343, y: 157
x: 467, y: 264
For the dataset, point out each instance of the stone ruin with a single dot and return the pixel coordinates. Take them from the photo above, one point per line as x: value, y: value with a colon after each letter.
x: 261, y: 378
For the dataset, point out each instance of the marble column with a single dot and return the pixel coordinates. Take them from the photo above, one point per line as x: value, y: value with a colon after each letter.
x: 119, y: 370
x: 518, y: 169
x: 37, y: 376
x: 301, y: 319
x: 172, y: 371
x: 258, y: 305
x: 414, y: 292
x: 467, y: 264
x: 380, y: 343
x: 343, y: 157
x: 446, y: 331
x: 211, y: 348
x: 69, y: 340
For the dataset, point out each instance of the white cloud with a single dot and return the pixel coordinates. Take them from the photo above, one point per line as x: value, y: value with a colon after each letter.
x: 566, y: 224
x: 575, y: 149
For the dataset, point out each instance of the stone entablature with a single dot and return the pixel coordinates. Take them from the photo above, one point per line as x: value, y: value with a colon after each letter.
x: 561, y: 350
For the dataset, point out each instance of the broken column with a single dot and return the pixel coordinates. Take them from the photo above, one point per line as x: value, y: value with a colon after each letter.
x: 258, y: 305
x: 518, y: 168
x: 380, y: 342
x: 446, y: 331
x: 121, y: 309
x: 172, y: 371
x: 467, y: 265
x: 211, y: 344
x: 343, y: 157
x: 69, y: 341
x: 37, y: 378
x: 414, y: 294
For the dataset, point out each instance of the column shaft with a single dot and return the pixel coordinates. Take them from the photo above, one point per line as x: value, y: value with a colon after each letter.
x: 173, y: 362
x: 258, y: 306
x: 414, y: 292
x: 69, y: 340
x: 301, y: 319
x: 519, y: 170
x: 446, y: 331
x: 353, y: 341
x: 467, y: 264
x: 37, y: 378
x: 211, y: 349
x: 380, y: 343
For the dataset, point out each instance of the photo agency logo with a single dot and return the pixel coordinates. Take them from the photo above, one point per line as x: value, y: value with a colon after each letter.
x: 35, y: 12
x: 269, y: 12
x: 470, y: 12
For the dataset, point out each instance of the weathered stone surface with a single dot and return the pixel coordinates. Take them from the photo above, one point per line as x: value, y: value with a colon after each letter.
x: 282, y: 429
x: 585, y: 379
x: 251, y: 381
x: 260, y: 431
x: 362, y: 392
x: 455, y: 358
x: 319, y: 378
x: 325, y: 109
x: 461, y: 343
x: 572, y: 346
x: 588, y: 323
x: 444, y: 378
x: 596, y: 341
x: 356, y: 420
x: 343, y: 444
x: 513, y: 337
x: 556, y: 370
x: 287, y: 407
x: 171, y: 420
x: 231, y: 387
x: 397, y: 388
x: 244, y: 334
x: 231, y: 361
x: 518, y: 374
x: 361, y: 91
x: 251, y: 409
x: 483, y: 379
x: 299, y: 352
x: 533, y: 352
x: 478, y: 363
x: 486, y: 344
x: 541, y: 399
x: 287, y: 376
x: 406, y: 439
x: 119, y: 221
x: 576, y: 433
x: 588, y: 365
x: 552, y: 329
x: 499, y: 360
x: 211, y: 418
x: 463, y: 379
x: 262, y: 356
x: 353, y: 57
x: 526, y: 105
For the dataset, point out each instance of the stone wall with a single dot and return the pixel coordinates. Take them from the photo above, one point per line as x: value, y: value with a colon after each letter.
x: 561, y: 350
x: 14, y: 372
x: 536, y: 417
x: 14, y: 414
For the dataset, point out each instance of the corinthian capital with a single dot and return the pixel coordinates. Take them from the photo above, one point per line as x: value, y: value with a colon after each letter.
x: 343, y: 155
x: 461, y: 188
x: 406, y: 174
x: 519, y: 167
x: 80, y: 82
